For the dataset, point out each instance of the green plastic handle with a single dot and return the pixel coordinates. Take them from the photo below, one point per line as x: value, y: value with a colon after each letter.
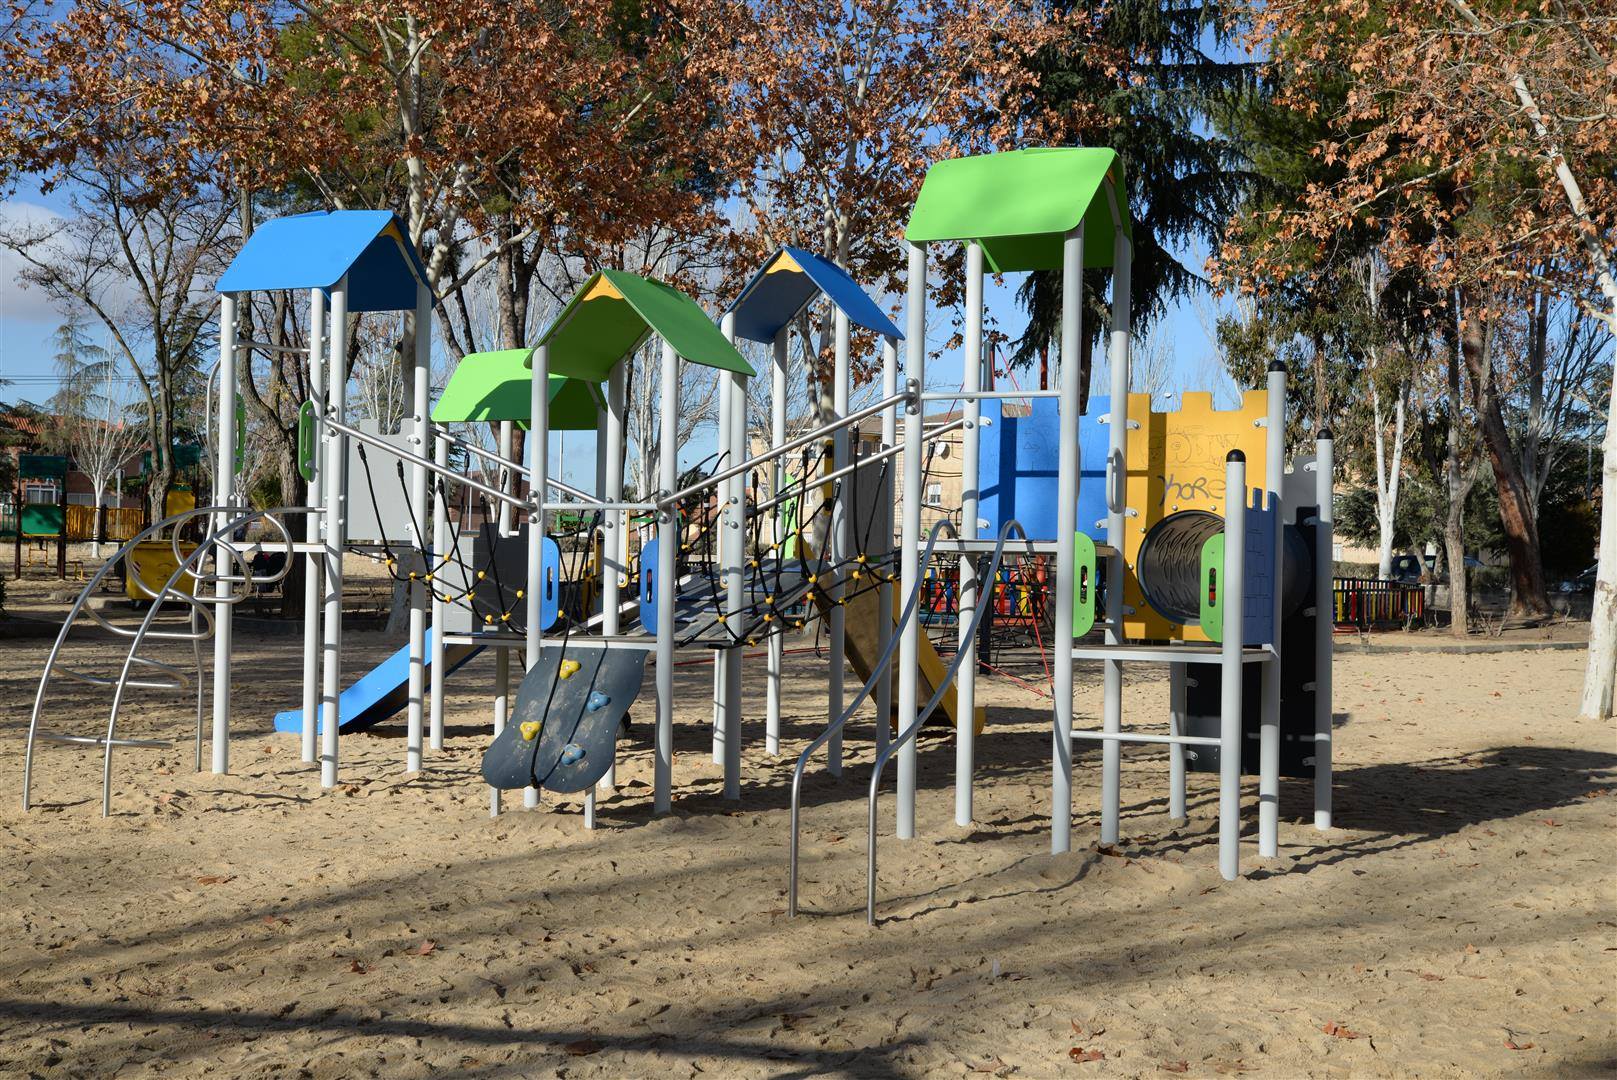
x: 1213, y: 587
x: 306, y: 441
x: 1083, y: 585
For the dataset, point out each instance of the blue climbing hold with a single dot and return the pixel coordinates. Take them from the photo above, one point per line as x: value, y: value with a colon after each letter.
x: 597, y: 701
x: 572, y: 753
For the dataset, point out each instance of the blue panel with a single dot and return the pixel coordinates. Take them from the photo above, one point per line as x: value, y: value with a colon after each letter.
x: 314, y: 251
x: 380, y: 692
x: 1262, y: 524
x: 1016, y: 475
x: 770, y: 301
x: 648, y: 593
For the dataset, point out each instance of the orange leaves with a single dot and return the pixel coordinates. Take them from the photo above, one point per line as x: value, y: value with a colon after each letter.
x: 1340, y: 1031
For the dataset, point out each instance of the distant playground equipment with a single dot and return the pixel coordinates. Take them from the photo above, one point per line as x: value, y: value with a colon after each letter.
x: 40, y: 522
x: 1179, y: 537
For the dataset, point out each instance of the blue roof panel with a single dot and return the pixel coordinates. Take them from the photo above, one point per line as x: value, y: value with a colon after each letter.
x: 314, y: 251
x: 788, y: 281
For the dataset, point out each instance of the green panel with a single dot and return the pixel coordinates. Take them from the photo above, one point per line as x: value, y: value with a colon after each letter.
x: 42, y: 466
x: 42, y: 519
x: 497, y: 386
x: 614, y: 310
x: 1213, y: 588
x: 308, y: 441
x: 1020, y: 204
x: 1083, y: 585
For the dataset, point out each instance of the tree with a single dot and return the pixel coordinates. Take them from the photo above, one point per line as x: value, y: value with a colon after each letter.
x: 1147, y: 79
x: 1478, y: 139
x: 89, y: 418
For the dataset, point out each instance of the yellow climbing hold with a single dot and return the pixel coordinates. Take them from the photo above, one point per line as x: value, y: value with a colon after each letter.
x: 569, y: 668
x: 530, y: 730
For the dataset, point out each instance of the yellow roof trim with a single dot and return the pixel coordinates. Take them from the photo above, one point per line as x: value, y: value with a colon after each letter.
x: 783, y: 264
x: 602, y: 289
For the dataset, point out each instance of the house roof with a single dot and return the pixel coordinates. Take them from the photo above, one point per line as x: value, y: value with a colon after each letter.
x: 613, y: 312
x: 314, y: 251
x: 788, y: 281
x: 1021, y: 204
x: 498, y: 386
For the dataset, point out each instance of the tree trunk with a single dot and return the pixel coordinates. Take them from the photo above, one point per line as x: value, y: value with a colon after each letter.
x: 1454, y: 521
x: 98, y: 523
x: 1602, y: 671
x: 1517, y: 514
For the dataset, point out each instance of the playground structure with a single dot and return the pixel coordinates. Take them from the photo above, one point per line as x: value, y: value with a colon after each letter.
x: 1148, y: 525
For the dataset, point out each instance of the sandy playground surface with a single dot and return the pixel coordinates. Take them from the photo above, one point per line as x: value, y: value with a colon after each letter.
x: 1460, y: 921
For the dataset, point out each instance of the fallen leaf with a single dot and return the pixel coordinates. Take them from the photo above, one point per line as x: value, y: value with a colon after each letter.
x: 357, y: 967
x: 583, y: 1047
x: 1552, y: 823
x: 1079, y: 1054
x: 276, y: 920
x: 1471, y: 948
x: 1511, y: 1044
x: 349, y: 789
x: 1430, y: 976
x: 215, y: 879
x: 1174, y: 1066
x: 267, y: 748
x: 1227, y: 1068
x: 1338, y: 1031
x: 426, y: 947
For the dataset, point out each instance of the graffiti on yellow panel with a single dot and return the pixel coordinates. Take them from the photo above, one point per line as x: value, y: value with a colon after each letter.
x: 1176, y: 462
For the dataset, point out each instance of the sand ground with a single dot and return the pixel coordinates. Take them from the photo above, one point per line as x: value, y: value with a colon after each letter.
x: 1461, y: 920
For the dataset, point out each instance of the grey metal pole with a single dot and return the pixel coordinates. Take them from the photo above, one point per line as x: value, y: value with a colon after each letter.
x: 837, y: 544
x: 1324, y: 626
x: 539, y: 470
x: 1274, y: 479
x: 615, y: 561
x: 884, y: 595
x: 909, y: 643
x: 777, y: 436
x: 335, y: 493
x: 1067, y: 472
x: 1116, y: 522
x: 1176, y: 751
x: 735, y: 600
x: 440, y: 551
x: 721, y: 497
x: 1232, y: 589
x: 224, y: 473
x: 312, y: 527
x: 502, y: 656
x: 965, y: 736
x: 667, y: 586
x: 421, y: 442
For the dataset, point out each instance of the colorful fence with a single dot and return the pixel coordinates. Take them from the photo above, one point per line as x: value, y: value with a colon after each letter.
x: 1369, y: 604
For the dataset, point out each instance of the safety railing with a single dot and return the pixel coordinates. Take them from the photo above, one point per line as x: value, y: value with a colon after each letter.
x: 965, y: 651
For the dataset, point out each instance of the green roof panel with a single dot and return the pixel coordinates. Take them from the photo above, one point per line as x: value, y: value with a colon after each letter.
x: 1020, y: 205
x: 493, y: 386
x: 614, y: 311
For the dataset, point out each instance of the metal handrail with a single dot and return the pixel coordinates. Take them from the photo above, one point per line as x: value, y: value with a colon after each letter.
x: 869, y: 459
x: 877, y: 673
x: 967, y: 648
x: 427, y: 463
x: 788, y: 446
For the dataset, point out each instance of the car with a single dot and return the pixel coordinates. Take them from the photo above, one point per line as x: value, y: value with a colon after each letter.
x: 1584, y: 582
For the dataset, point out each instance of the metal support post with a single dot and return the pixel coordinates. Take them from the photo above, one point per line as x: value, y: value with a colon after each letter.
x: 909, y: 643
x: 1067, y: 470
x: 1231, y: 587
x: 965, y: 735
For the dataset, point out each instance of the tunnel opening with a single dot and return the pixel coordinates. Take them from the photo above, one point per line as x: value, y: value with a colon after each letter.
x: 1170, y: 564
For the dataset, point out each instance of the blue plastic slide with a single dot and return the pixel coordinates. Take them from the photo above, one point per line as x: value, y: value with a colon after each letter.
x: 382, y: 691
